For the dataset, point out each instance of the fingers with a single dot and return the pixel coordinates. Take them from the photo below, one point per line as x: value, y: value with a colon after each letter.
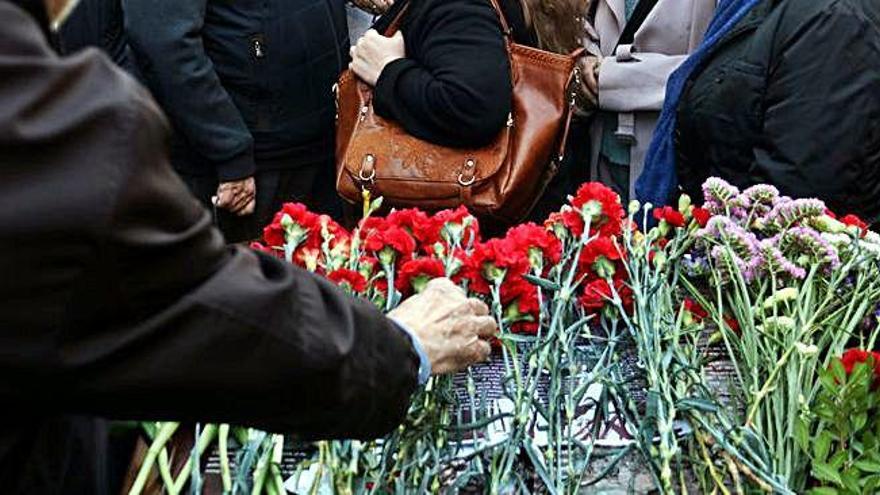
x: 444, y: 285
x: 478, y: 307
x: 249, y: 208
x: 481, y: 351
x: 485, y: 326
x: 237, y: 197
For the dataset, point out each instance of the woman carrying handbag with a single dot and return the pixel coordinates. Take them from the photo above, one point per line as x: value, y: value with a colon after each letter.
x: 449, y: 108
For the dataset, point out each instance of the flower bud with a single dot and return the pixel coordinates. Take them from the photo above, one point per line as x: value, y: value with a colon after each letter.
x: 806, y: 350
x: 781, y: 296
x: 633, y: 207
x: 287, y: 222
x: 684, y: 204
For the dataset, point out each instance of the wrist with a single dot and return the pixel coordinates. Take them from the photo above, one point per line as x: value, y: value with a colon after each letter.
x: 424, y: 369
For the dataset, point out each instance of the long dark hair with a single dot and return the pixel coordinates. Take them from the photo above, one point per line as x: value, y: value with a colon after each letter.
x: 559, y: 24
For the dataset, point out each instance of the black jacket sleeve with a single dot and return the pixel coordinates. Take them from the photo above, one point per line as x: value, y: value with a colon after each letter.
x: 186, y: 329
x: 822, y: 109
x: 166, y: 37
x: 454, y: 88
x: 132, y: 306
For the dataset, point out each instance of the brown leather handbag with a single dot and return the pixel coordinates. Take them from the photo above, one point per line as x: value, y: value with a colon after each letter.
x: 501, y: 181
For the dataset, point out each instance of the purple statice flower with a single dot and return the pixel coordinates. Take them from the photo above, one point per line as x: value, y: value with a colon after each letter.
x: 695, y: 263
x: 762, y: 193
x: 804, y: 241
x: 718, y: 191
x: 724, y: 229
x: 771, y: 260
x: 721, y: 256
x: 787, y: 213
x: 737, y: 245
x: 714, y: 207
x: 762, y: 198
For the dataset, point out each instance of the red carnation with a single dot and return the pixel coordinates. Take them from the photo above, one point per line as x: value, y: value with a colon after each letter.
x: 523, y: 293
x: 732, y: 324
x: 854, y: 221
x: 697, y: 312
x: 600, y: 249
x: 414, y: 221
x: 701, y: 215
x: 530, y: 236
x: 497, y: 255
x: 390, y: 237
x: 596, y: 295
x: 854, y: 356
x: 606, y: 221
x: 670, y: 215
x: 337, y: 232
x: 274, y: 234
x: 415, y: 274
x: 350, y: 278
x: 459, y: 216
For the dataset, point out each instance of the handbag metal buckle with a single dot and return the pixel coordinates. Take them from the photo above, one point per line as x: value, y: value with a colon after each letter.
x: 469, y: 166
x: 367, y: 173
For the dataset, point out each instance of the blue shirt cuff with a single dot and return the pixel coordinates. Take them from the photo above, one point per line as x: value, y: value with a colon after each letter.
x: 424, y: 362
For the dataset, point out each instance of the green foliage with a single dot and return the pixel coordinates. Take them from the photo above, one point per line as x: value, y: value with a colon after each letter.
x: 844, y: 449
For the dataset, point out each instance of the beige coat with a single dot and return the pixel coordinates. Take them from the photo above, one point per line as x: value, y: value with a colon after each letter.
x: 632, y: 81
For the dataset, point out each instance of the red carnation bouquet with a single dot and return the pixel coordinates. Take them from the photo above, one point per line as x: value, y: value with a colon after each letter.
x: 388, y: 258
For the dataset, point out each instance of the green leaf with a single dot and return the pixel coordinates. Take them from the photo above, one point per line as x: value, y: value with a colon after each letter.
x: 838, y: 371
x: 824, y: 472
x: 868, y: 466
x: 859, y: 421
x: 519, y: 339
x: 828, y: 382
x: 839, y: 459
x: 542, y: 283
x: 697, y: 405
x: 851, y: 480
x: 870, y: 484
x: 821, y: 446
x: 825, y: 490
x: 802, y: 434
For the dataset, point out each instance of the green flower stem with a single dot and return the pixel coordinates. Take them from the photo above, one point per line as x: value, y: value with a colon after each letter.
x: 262, y: 471
x: 223, y: 450
x: 165, y: 469
x: 209, y: 432
x: 166, y: 431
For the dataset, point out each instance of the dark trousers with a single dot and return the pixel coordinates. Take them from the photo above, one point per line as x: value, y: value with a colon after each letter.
x: 312, y: 184
x: 573, y: 171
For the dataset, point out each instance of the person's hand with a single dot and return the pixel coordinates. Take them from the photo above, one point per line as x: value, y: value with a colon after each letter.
x: 373, y: 52
x: 239, y: 196
x: 375, y: 7
x: 589, y: 89
x: 450, y: 327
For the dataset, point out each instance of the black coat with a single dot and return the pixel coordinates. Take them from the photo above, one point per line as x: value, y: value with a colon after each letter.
x: 454, y: 86
x: 243, y: 80
x: 791, y: 97
x: 119, y: 299
x: 99, y: 24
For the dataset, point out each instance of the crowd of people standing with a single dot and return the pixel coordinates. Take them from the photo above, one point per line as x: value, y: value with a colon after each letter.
x: 781, y: 91
x: 121, y: 299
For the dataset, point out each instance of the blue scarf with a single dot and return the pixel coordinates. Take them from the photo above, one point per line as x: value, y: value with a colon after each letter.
x: 659, y: 180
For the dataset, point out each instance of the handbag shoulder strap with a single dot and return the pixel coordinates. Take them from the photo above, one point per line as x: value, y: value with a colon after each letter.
x: 639, y: 15
x: 505, y: 27
x: 390, y: 22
